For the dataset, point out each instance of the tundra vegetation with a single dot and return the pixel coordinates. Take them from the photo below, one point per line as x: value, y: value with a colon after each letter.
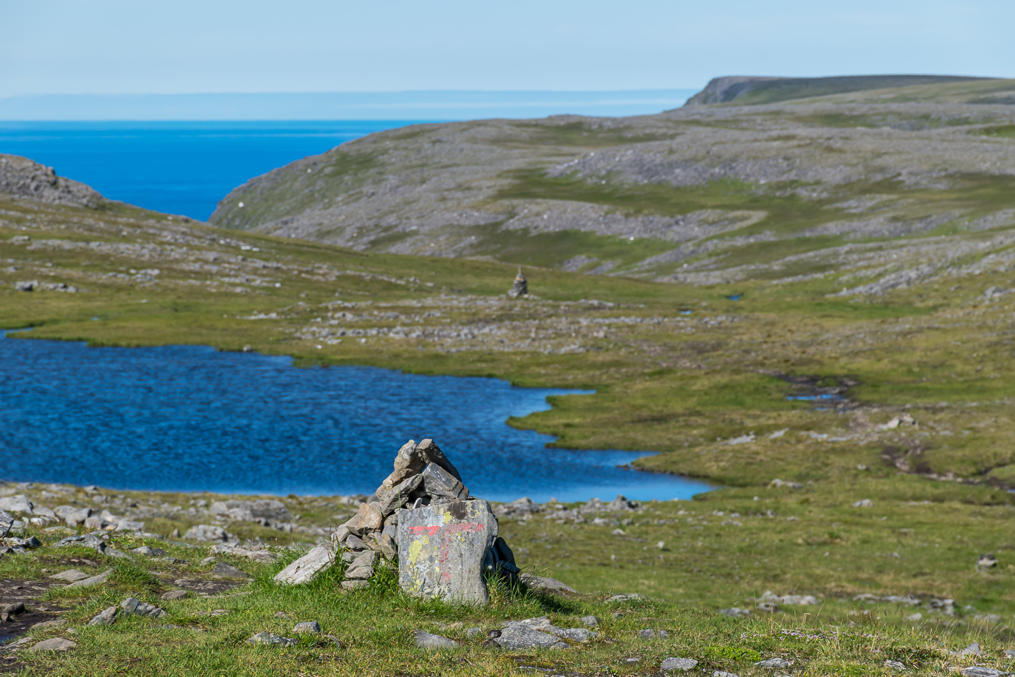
x: 808, y: 302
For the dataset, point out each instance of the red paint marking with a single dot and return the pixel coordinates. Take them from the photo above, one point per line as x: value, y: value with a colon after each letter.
x: 430, y: 530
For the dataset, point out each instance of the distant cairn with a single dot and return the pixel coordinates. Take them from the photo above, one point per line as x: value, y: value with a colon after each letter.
x: 520, y: 286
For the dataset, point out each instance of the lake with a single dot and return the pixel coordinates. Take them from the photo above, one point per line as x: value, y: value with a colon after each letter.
x: 176, y: 167
x: 191, y: 418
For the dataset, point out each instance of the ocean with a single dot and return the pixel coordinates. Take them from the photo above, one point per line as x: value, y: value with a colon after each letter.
x: 176, y: 167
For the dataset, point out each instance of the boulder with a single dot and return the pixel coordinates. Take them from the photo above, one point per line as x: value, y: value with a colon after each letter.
x: 442, y: 550
x: 18, y: 503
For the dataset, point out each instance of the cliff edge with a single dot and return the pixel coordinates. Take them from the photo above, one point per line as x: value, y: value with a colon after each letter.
x: 21, y: 177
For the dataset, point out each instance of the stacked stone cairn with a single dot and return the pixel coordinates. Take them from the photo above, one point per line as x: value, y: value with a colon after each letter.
x: 449, y: 539
x: 520, y: 287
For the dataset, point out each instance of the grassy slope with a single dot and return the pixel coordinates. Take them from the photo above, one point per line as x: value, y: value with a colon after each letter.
x: 680, y: 387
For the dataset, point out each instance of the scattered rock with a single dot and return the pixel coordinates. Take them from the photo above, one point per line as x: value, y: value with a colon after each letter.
x: 528, y: 634
x: 146, y: 551
x: 54, y: 644
x: 207, y: 532
x: 228, y: 571
x: 270, y: 638
x: 986, y: 562
x: 895, y: 665
x: 70, y: 576
x: 590, y: 621
x: 546, y: 584
x: 18, y: 503
x: 104, y: 617
x: 788, y: 600
x: 971, y: 650
x: 774, y: 664
x: 174, y: 595
x: 627, y: 597
x: 136, y: 607
x: 92, y: 581
x: 11, y: 610
x: 863, y: 503
x: 735, y: 611
x: 980, y: 671
x: 678, y: 664
x: 306, y: 568
x: 307, y: 627
x: 426, y: 640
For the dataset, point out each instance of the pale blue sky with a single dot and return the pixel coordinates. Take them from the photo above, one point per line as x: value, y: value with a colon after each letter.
x: 142, y: 46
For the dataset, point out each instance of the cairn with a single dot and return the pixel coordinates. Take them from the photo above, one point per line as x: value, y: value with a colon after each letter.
x: 424, y: 511
x: 520, y: 286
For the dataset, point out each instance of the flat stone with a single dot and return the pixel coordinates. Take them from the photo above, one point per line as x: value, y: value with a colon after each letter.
x: 18, y: 503
x: 362, y: 565
x: 98, y: 579
x: 147, y: 551
x: 207, y: 532
x: 426, y: 640
x: 546, y: 584
x: 980, y: 671
x: 442, y: 549
x: 228, y: 571
x: 307, y: 627
x: 174, y: 595
x: 391, y: 499
x: 367, y: 518
x: 270, y: 638
x: 723, y: 673
x: 590, y: 621
x: 306, y: 568
x: 528, y: 634
x: 735, y: 612
x: 788, y: 600
x: 895, y: 665
x: 774, y: 664
x: 439, y: 483
x: 355, y: 584
x: 627, y: 597
x: 105, y: 617
x: 54, y: 644
x: 55, y: 623
x: 70, y: 575
x: 678, y: 664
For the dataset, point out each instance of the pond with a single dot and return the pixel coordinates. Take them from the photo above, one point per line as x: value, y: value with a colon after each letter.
x: 191, y: 418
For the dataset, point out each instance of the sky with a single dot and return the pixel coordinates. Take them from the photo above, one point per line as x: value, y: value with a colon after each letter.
x: 203, y: 46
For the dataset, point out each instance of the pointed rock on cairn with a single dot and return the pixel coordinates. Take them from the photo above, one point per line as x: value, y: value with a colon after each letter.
x: 520, y: 286
x: 447, y: 539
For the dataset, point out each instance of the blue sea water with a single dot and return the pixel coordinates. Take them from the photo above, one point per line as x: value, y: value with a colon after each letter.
x: 193, y: 418
x: 176, y: 167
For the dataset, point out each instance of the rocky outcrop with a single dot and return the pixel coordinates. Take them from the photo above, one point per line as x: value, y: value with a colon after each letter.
x: 21, y: 177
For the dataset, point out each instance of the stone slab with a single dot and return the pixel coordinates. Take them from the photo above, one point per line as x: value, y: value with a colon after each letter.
x: 442, y: 548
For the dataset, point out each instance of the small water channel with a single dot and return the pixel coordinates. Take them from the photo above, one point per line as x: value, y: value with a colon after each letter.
x: 191, y: 418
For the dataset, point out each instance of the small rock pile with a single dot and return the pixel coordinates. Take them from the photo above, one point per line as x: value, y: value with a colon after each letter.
x: 520, y: 286
x: 422, y: 475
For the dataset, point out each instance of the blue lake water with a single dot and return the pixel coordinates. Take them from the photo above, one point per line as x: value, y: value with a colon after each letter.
x: 176, y: 167
x: 191, y: 418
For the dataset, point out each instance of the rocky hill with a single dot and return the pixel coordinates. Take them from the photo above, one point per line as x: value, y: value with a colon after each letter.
x: 701, y: 194
x: 21, y: 177
x: 743, y: 89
